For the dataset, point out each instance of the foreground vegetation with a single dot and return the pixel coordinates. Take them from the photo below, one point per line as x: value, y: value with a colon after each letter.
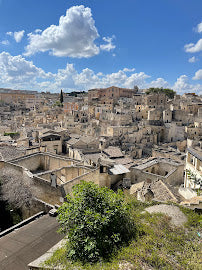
x: 157, y: 245
x: 97, y: 222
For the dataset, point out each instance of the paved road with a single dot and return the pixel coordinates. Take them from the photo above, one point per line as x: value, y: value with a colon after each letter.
x: 26, y: 244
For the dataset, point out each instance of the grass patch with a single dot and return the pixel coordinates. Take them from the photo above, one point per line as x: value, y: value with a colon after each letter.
x: 159, y: 245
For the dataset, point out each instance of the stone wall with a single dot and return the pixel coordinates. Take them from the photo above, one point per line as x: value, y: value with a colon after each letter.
x: 174, y: 175
x: 65, y: 174
x: 40, y: 188
x: 101, y: 179
x: 43, y: 161
x: 43, y: 190
x: 52, y: 162
x: 32, y: 162
x: 53, y: 146
x: 35, y: 207
x: 174, y: 132
x: 137, y: 176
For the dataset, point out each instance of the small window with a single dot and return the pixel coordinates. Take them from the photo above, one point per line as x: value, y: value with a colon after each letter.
x: 101, y: 169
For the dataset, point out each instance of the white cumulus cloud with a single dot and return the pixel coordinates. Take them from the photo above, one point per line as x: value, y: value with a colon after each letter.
x: 109, y: 45
x: 159, y: 82
x: 74, y: 36
x: 129, y: 69
x: 192, y: 59
x: 198, y: 75
x: 9, y: 34
x: 18, y: 35
x: 17, y: 70
x: 182, y: 85
x: 5, y: 42
x: 193, y: 48
x: 199, y: 28
x: 38, y: 31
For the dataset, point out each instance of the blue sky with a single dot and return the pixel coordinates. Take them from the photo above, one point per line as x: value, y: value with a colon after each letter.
x: 48, y: 45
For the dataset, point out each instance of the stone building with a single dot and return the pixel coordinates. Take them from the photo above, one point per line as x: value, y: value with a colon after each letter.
x: 154, y: 191
x: 194, y: 130
x: 167, y: 116
x: 69, y: 106
x: 52, y: 142
x: 109, y: 95
x: 165, y: 169
x: 156, y: 100
x: 193, y: 169
x: 16, y: 96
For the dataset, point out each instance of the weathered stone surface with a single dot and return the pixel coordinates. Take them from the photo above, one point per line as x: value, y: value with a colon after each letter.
x: 177, y: 217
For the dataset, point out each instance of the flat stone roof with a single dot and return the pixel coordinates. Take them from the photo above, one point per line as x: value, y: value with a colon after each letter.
x: 152, y: 161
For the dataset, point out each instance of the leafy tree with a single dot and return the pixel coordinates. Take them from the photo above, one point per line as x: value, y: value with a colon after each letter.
x: 13, y: 135
x: 96, y: 220
x: 169, y: 92
x: 57, y: 104
x: 15, y: 188
x: 61, y: 97
x: 76, y: 93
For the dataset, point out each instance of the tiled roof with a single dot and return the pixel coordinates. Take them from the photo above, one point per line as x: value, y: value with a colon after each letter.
x: 93, y: 157
x: 160, y: 190
x: 87, y: 139
x: 124, y: 160
x: 113, y: 152
x: 72, y: 141
x: 136, y: 187
x: 11, y: 152
x: 50, y: 135
x: 196, y: 153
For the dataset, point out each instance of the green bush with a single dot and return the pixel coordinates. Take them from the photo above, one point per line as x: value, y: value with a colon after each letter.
x: 169, y: 92
x: 11, y: 134
x: 97, y: 222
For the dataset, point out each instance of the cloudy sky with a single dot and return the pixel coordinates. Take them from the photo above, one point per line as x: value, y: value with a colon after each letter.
x: 48, y: 45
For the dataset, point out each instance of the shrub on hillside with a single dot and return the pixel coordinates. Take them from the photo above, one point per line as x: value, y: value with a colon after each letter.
x: 96, y: 220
